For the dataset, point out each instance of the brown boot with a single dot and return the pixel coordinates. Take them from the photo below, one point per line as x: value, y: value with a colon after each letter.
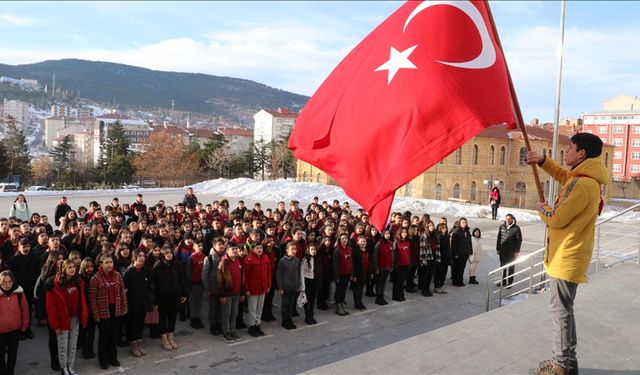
x: 165, y: 342
x: 134, y: 349
x: 172, y: 342
x: 140, y: 348
x: 548, y: 368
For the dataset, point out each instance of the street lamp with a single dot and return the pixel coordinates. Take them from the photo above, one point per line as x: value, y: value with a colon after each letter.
x: 111, y: 142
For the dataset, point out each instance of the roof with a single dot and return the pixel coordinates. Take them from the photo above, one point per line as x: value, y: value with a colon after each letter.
x: 236, y: 132
x: 170, y: 129
x: 534, y: 132
x: 201, y: 132
x: 612, y: 113
x: 282, y: 112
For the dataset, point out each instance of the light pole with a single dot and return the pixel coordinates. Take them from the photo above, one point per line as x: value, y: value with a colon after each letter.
x: 111, y: 142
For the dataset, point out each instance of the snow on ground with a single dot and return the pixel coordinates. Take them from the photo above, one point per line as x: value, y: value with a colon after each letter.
x: 286, y: 190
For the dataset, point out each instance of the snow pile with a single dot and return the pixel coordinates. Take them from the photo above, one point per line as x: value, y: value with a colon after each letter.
x: 286, y: 190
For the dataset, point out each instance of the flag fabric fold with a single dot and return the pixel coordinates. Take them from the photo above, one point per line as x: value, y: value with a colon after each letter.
x: 425, y: 81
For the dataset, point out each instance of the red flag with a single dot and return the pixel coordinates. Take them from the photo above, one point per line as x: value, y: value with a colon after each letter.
x: 425, y: 81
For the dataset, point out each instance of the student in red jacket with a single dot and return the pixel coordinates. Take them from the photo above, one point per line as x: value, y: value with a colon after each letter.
x: 229, y: 278
x: 342, y: 271
x: 381, y: 264
x: 67, y: 310
x: 108, y: 304
x: 401, y: 263
x: 194, y: 281
x: 257, y: 276
x: 14, y: 320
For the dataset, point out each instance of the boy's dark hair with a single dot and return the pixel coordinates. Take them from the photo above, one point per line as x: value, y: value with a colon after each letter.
x: 591, y: 144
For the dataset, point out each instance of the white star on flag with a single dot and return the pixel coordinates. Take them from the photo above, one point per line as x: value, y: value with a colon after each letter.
x: 397, y: 60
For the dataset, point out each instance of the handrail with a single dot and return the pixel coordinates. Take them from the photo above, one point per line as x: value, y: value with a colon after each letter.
x: 530, y: 256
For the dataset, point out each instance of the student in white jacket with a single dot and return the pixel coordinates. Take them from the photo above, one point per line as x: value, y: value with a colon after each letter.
x: 20, y: 208
x: 477, y: 255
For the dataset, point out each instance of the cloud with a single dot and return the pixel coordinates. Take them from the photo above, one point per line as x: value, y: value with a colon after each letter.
x: 11, y: 20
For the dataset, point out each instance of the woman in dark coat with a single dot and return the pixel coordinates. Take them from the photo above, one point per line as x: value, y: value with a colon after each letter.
x: 137, y: 282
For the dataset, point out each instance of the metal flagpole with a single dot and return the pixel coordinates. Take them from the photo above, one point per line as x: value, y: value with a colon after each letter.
x: 556, y: 120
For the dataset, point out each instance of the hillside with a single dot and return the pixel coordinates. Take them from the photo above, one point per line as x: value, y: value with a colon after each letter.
x: 136, y: 87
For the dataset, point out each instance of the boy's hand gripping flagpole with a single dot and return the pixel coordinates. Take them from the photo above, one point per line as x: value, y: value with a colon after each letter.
x: 516, y: 109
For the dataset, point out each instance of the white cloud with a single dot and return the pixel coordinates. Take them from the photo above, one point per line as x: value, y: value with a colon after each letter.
x: 10, y: 20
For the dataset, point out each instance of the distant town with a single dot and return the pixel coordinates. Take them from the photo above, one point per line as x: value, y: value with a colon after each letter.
x: 79, y: 144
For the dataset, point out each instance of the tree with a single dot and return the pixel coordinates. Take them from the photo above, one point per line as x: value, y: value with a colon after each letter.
x: 214, y: 148
x: 63, y: 155
x: 42, y: 170
x: 259, y: 157
x: 116, y: 162
x: 165, y: 159
x: 282, y: 159
x: 218, y: 161
x: 17, y: 151
x: 3, y: 160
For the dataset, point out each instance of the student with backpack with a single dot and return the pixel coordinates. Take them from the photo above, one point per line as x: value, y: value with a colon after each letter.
x: 13, y: 321
x: 210, y: 285
x: 230, y: 286
x: 288, y: 279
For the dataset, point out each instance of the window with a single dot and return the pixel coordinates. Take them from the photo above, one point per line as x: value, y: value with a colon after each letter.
x: 456, y: 191
x: 617, y: 142
x: 635, y: 142
x: 459, y: 156
x: 635, y: 155
x: 438, y: 191
x: 618, y: 129
x: 521, y: 188
x: 502, y: 155
x: 523, y: 156
x: 408, y: 190
x: 636, y: 130
x: 602, y: 129
x: 617, y: 168
x: 492, y: 151
x: 474, y: 156
x: 318, y: 177
x: 635, y: 168
x: 617, y: 154
x: 473, y: 190
x: 561, y: 157
x: 304, y: 177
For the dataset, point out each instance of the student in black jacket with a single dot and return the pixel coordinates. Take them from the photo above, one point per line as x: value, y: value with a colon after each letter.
x: 137, y: 282
x: 25, y: 270
x: 461, y: 249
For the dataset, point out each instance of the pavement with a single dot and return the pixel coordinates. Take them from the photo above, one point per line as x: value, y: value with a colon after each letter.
x: 514, y: 338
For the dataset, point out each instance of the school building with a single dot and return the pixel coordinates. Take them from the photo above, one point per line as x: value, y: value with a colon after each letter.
x: 494, y: 157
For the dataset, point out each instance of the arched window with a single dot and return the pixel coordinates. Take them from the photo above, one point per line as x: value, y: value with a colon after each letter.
x: 550, y: 153
x: 521, y: 188
x: 492, y: 151
x: 456, y: 191
x: 318, y: 177
x: 502, y: 155
x: 474, y: 156
x: 438, y: 191
x: 561, y: 157
x: 304, y: 177
x: 523, y: 156
x: 473, y: 190
x: 408, y: 190
x: 606, y: 159
x: 459, y: 156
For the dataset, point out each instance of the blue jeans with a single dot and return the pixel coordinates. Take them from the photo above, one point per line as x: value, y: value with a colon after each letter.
x: 565, y: 340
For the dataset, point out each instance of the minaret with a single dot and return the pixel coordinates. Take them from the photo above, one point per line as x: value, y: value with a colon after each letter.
x: 188, y: 120
x: 53, y: 85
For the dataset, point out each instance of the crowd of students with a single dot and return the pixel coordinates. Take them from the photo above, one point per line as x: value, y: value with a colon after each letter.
x: 121, y: 268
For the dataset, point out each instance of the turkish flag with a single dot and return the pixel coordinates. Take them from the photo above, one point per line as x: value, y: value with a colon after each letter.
x: 425, y: 81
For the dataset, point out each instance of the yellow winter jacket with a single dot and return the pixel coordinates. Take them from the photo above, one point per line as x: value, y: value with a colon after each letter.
x: 571, y: 221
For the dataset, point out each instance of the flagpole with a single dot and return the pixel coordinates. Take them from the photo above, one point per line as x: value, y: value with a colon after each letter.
x: 516, y: 107
x: 556, y: 120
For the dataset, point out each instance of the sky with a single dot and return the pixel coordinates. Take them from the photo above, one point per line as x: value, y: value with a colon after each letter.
x: 294, y: 45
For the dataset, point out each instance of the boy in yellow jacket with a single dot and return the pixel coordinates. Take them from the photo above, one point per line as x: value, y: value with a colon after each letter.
x: 571, y: 223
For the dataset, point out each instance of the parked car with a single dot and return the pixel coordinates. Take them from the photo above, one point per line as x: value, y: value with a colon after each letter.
x: 37, y: 188
x: 6, y: 187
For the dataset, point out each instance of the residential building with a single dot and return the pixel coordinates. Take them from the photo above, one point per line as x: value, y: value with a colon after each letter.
x: 19, y: 110
x: 136, y: 131
x: 60, y: 110
x: 52, y: 125
x: 494, y: 157
x: 619, y: 124
x: 84, y: 148
x: 239, y: 140
x: 272, y: 125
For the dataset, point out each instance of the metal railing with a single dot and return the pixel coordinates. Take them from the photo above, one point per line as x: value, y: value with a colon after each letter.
x: 532, y: 279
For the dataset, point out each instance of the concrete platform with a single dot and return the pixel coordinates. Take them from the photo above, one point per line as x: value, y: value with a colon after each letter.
x: 511, y: 339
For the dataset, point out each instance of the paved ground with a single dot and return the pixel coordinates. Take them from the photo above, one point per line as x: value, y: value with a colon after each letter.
x: 334, y: 339
x: 512, y: 339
